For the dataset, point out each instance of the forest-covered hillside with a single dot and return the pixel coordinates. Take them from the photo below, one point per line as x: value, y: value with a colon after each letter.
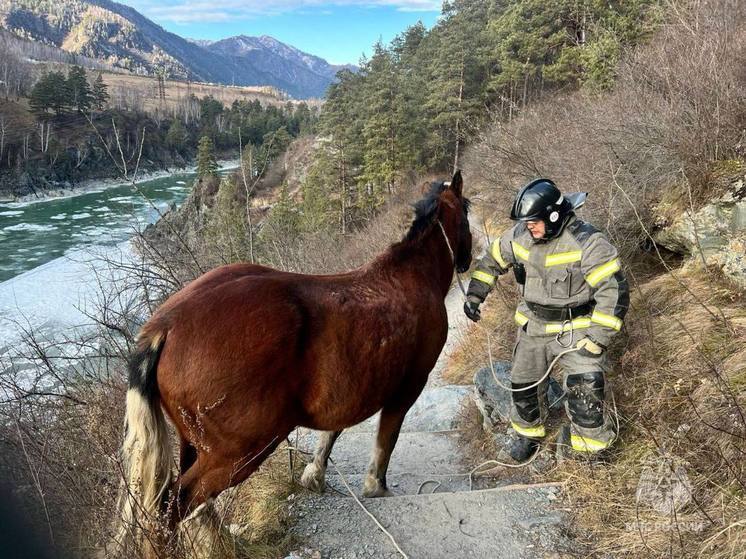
x: 416, y: 102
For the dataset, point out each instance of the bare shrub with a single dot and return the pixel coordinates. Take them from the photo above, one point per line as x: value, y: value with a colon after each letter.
x: 671, y: 130
x: 679, y: 106
x: 325, y: 252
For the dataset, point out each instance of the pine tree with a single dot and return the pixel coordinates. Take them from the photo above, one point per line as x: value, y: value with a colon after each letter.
x: 283, y: 221
x: 41, y: 96
x: 60, y: 95
x: 79, y: 95
x: 49, y: 92
x: 455, y: 73
x: 317, y: 206
x: 412, y: 87
x: 207, y: 165
x: 99, y: 93
x: 380, y: 131
x: 341, y: 124
x: 226, y: 228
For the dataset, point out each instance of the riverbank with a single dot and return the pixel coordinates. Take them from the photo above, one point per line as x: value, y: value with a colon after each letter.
x: 89, y: 186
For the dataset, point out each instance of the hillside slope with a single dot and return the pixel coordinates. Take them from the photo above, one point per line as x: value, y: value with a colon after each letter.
x: 121, y: 36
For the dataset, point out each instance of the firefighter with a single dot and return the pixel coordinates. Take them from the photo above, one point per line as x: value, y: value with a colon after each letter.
x: 574, y: 296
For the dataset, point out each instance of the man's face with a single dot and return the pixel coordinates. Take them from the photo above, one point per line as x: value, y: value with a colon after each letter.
x: 537, y: 228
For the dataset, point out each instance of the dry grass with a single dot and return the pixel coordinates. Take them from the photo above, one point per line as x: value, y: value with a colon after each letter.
x: 497, y: 318
x: 261, y: 507
x: 60, y: 461
x: 680, y: 386
x: 681, y: 396
x: 669, y: 134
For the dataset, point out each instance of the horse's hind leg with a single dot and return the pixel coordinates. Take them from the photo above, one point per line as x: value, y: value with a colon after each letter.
x: 211, y: 474
x: 315, y: 471
x: 388, y: 433
x: 187, y: 456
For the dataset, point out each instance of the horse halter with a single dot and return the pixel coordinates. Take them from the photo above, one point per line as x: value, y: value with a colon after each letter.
x: 453, y: 258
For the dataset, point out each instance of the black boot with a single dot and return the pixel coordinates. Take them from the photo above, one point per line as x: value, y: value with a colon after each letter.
x: 521, y: 449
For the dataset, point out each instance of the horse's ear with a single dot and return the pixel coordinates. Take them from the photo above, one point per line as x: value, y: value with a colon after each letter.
x: 457, y: 184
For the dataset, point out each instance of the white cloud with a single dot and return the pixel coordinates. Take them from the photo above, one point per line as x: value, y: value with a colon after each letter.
x: 188, y: 11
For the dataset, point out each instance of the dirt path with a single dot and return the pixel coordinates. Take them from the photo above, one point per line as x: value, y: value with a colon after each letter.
x: 443, y: 518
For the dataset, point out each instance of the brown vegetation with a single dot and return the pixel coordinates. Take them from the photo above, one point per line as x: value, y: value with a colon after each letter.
x: 669, y: 136
x: 678, y: 109
x: 681, y: 392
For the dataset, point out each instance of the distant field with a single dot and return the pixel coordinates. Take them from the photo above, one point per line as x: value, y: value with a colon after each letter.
x: 133, y: 91
x: 145, y: 90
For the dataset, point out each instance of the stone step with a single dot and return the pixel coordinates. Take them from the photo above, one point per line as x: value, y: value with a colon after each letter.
x: 401, y: 484
x: 415, y: 453
x: 512, y: 522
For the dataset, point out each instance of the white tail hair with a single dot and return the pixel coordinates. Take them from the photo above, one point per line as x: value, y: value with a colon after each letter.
x: 147, y: 458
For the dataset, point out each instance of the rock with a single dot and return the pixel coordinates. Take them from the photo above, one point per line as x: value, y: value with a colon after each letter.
x: 305, y: 553
x: 543, y: 463
x: 534, y: 522
x: 436, y: 409
x: 717, y: 231
x: 732, y: 259
x: 494, y: 401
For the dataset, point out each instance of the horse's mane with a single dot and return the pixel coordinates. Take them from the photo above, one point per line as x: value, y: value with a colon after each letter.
x: 425, y: 211
x: 425, y: 215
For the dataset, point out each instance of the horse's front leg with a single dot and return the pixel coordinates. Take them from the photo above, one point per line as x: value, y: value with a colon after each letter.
x: 388, y: 433
x: 315, y: 471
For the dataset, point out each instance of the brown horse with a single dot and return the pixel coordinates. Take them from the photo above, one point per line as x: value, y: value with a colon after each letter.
x: 244, y: 354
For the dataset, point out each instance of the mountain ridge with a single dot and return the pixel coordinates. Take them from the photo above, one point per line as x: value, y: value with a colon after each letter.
x: 121, y: 36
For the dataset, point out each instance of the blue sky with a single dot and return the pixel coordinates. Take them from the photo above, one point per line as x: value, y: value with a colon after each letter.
x: 337, y: 30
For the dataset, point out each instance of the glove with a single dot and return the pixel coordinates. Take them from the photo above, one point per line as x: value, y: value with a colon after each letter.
x: 471, y: 310
x: 589, y: 348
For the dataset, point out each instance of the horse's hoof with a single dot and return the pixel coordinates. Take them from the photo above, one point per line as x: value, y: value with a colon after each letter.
x: 313, y: 478
x: 373, y: 488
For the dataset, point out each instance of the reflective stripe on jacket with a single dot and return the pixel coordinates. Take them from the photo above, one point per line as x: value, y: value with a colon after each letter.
x: 577, y: 267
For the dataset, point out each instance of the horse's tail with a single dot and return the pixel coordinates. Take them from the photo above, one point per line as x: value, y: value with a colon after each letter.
x: 147, y: 452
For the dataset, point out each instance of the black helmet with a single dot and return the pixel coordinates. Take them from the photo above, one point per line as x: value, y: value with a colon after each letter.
x: 541, y: 200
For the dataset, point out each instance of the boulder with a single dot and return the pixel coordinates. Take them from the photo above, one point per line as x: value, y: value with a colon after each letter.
x: 437, y: 409
x: 716, y: 231
x: 493, y: 401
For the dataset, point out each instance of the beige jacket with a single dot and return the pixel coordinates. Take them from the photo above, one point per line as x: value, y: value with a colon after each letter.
x: 578, y: 267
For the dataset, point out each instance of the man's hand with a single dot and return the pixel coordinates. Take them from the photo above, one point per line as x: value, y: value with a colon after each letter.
x: 589, y: 348
x: 471, y: 310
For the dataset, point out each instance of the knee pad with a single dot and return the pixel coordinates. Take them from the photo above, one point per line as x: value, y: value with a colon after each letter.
x: 526, y: 402
x: 585, y: 398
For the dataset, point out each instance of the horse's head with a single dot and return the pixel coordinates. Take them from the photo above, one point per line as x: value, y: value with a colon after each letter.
x: 455, y: 211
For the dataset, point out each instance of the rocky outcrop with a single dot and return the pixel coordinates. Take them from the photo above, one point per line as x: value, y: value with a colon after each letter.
x: 715, y: 232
